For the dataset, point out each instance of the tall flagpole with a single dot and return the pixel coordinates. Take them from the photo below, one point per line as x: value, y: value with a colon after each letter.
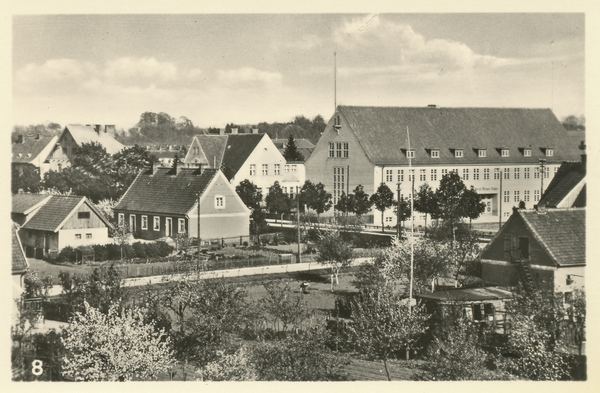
x: 412, y: 222
x: 334, y: 81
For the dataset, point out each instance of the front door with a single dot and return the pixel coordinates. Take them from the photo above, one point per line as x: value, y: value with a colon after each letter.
x: 132, y: 222
x: 168, y: 227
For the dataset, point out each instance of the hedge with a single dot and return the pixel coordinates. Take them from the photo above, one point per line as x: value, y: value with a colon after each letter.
x: 111, y: 252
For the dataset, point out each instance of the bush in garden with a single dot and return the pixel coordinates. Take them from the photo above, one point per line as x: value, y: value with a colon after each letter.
x: 139, y: 250
x: 100, y: 252
x: 67, y: 254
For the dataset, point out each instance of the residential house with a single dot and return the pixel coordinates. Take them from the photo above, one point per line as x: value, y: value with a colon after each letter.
x: 542, y: 248
x: 568, y: 187
x: 304, y: 146
x: 19, y: 265
x: 163, y: 202
x: 241, y: 157
x: 495, y: 150
x: 50, y: 223
x: 165, y: 154
x: 73, y: 136
x: 33, y: 150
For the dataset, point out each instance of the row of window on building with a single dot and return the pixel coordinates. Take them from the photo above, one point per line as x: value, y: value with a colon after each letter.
x: 466, y: 174
x: 87, y: 236
x: 292, y: 168
x: 340, y: 150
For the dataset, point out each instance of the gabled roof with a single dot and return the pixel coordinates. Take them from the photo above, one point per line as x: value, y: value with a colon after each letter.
x: 301, y: 143
x: 87, y: 134
x: 53, y: 214
x: 381, y: 131
x: 25, y: 203
x: 19, y: 262
x: 165, y: 192
x: 213, y: 147
x: 560, y: 231
x: 31, y: 147
x: 238, y: 149
x: 566, y: 179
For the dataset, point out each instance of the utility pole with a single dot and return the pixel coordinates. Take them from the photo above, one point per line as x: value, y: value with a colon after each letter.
x: 542, y: 174
x: 500, y: 200
x: 298, y: 221
x: 198, y: 231
x: 399, y: 229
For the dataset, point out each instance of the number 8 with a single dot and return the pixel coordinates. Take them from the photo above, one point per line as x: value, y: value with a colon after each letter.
x: 36, y: 367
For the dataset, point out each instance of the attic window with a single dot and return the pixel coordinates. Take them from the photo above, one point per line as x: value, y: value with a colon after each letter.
x: 410, y: 154
x: 549, y: 152
x: 435, y: 153
x: 20, y: 155
x: 337, y: 123
x: 458, y: 153
x: 482, y: 153
x: 29, y: 154
x: 83, y: 215
x: 505, y: 153
x: 526, y: 152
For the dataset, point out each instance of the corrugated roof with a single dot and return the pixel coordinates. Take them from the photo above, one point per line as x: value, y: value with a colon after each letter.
x: 87, y: 134
x: 31, y: 147
x: 382, y: 133
x: 468, y: 294
x: 165, y: 192
x: 561, y: 232
x: 22, y: 203
x: 568, y: 176
x: 19, y: 262
x: 239, y: 147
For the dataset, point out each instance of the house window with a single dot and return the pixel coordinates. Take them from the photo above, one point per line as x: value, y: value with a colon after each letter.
x: 285, y: 190
x: 435, y: 154
x: 294, y: 168
x: 276, y: 169
x: 568, y: 297
x: 516, y: 196
x: 434, y: 175
x: 506, y: 173
x: 555, y: 169
x: 549, y: 152
x: 482, y: 153
x: 422, y: 174
x: 83, y: 215
x: 465, y: 175
x: 458, y: 153
x: 517, y: 173
x: 64, y: 150
x: 444, y: 172
x: 181, y: 225
x: 78, y: 236
x: 527, y: 152
x: 411, y: 175
x: 345, y: 149
x: 410, y: 154
x: 496, y: 173
x: 506, y: 214
x: 389, y: 175
x: 265, y: 169
x: 132, y: 227
x: 476, y: 174
x: 339, y: 183
x: 526, y: 196
x: 338, y: 149
x: 88, y: 235
x: 121, y: 219
x: 400, y: 175
x: 523, y: 248
x: 505, y: 153
x: 486, y: 173
x: 506, y: 196
x: 252, y: 169
x: 219, y: 202
x: 331, y: 149
x: 196, y: 150
x: 536, y: 173
x: 287, y: 168
x: 546, y: 172
x: 156, y: 226
x: 388, y: 219
x: 144, y: 222
x: 525, y: 173
x: 536, y: 195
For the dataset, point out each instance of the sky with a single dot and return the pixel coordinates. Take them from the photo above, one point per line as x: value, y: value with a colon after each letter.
x: 249, y: 68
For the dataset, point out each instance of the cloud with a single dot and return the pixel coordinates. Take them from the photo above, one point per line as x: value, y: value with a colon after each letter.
x: 306, y: 42
x: 247, y: 77
x: 54, y: 71
x: 129, y: 70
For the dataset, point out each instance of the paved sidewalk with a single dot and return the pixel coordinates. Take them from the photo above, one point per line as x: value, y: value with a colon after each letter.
x: 246, y: 271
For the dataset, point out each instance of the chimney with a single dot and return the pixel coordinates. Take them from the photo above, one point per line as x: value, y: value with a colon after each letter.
x: 234, y: 130
x: 154, y: 167
x: 97, y: 128
x: 541, y: 208
x: 38, y: 136
x: 221, y: 131
x: 255, y: 130
x: 176, y: 168
x: 432, y: 106
x: 20, y: 138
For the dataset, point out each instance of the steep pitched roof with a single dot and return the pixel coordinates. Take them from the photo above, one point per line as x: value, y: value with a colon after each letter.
x: 213, y: 147
x: 56, y: 210
x: 87, y: 134
x: 301, y: 143
x: 24, y: 203
x: 239, y: 147
x: 31, y: 147
x: 165, y: 192
x: 560, y: 231
x: 568, y: 176
x: 19, y: 262
x: 381, y: 132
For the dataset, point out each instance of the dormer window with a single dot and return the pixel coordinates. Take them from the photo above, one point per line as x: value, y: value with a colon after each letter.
x: 549, y: 152
x: 435, y: 153
x: 526, y: 152
x: 458, y: 153
x: 410, y: 154
x: 337, y: 123
x: 505, y: 152
x: 482, y: 153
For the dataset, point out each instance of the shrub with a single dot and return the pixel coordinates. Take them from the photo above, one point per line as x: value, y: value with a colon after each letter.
x: 67, y: 254
x: 100, y: 252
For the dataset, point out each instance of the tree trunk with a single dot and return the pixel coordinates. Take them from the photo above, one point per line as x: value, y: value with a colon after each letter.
x: 387, y: 371
x: 332, y: 283
x: 382, y: 227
